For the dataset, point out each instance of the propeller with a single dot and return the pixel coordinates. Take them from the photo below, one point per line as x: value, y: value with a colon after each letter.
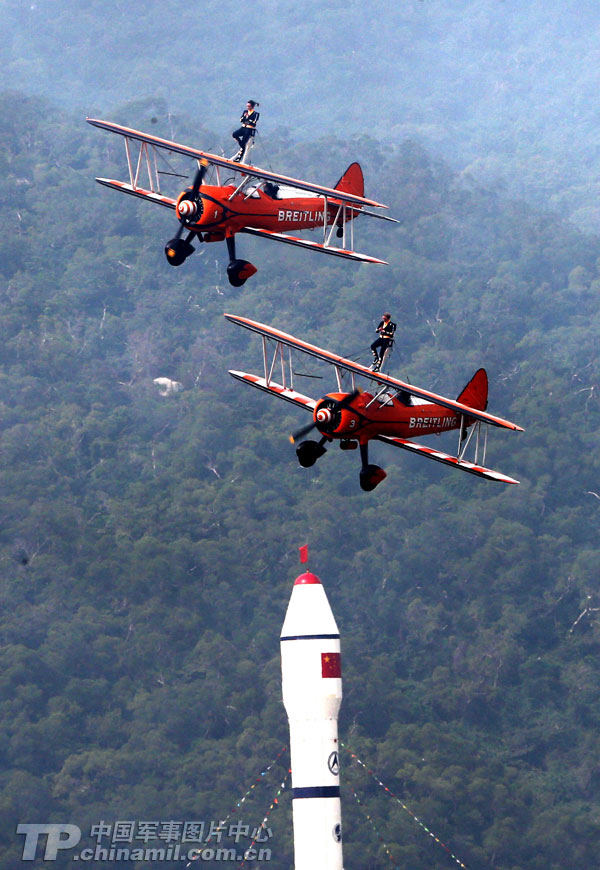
x: 199, y: 177
x: 326, y: 414
x: 197, y: 184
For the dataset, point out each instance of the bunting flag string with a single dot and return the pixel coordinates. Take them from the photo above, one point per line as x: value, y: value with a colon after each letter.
x: 372, y: 823
x: 398, y: 800
x: 263, y: 773
x: 223, y: 822
x: 263, y: 824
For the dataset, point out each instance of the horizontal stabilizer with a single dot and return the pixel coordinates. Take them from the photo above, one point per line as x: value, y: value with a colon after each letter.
x: 315, y: 246
x: 438, y: 456
x: 382, y: 217
x: 271, y: 387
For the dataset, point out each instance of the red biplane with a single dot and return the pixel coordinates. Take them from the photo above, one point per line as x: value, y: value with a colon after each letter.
x: 251, y: 200
x: 394, y: 412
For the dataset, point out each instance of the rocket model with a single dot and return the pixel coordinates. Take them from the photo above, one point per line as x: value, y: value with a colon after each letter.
x: 312, y: 694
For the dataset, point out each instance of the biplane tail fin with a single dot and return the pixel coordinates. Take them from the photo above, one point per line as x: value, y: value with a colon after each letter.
x: 352, y: 181
x: 475, y: 394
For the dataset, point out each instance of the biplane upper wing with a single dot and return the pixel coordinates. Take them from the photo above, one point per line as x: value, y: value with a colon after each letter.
x: 315, y: 246
x: 447, y: 459
x: 225, y: 162
x: 358, y: 369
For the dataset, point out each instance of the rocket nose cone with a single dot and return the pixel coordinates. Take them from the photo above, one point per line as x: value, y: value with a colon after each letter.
x: 307, y: 578
x: 309, y: 612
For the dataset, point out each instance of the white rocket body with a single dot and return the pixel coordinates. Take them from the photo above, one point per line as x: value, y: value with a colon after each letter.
x: 312, y: 694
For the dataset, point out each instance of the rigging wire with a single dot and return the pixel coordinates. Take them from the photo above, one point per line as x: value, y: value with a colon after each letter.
x: 355, y: 355
x: 163, y: 158
x: 262, y: 145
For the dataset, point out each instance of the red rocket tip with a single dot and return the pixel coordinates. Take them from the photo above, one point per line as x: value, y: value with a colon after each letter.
x: 306, y: 579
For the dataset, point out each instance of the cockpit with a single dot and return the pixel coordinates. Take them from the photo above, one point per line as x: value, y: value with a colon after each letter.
x: 252, y: 191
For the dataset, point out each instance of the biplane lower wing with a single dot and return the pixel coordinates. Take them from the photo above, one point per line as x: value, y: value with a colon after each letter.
x: 271, y: 387
x: 446, y: 459
x: 138, y: 191
x: 225, y: 163
x: 315, y: 246
x: 358, y: 369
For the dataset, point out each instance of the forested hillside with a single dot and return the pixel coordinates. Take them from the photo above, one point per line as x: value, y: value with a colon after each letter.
x: 148, y: 543
x: 505, y: 91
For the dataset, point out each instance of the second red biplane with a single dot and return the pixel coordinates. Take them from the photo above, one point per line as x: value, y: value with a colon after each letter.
x: 395, y: 412
x: 252, y: 200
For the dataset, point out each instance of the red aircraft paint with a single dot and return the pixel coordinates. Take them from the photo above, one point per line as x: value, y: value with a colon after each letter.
x: 252, y: 200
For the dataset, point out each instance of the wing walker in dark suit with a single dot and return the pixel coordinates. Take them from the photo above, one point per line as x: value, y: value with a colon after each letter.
x: 383, y: 344
x: 244, y: 135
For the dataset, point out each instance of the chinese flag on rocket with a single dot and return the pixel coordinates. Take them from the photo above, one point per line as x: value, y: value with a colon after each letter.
x: 331, y: 664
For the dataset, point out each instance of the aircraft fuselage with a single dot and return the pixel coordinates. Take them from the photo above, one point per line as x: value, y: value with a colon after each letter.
x: 222, y: 213
x: 366, y: 417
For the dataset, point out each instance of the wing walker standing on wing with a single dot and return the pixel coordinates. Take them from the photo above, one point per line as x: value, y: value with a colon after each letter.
x: 384, y: 343
x: 249, y: 200
x: 354, y: 418
x: 244, y: 136
x: 269, y: 205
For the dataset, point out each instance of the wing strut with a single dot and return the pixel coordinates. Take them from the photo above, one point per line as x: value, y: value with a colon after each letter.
x: 284, y: 390
x: 357, y: 368
x: 465, y: 438
x: 269, y: 363
x: 144, y: 160
x: 446, y: 459
x: 226, y: 163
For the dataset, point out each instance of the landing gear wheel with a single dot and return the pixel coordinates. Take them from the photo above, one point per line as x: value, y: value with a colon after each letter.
x: 370, y: 476
x: 308, y: 452
x: 238, y: 272
x: 177, y: 251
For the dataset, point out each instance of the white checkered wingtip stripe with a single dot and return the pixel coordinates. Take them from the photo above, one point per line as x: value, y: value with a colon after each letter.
x: 470, y: 467
x: 275, y: 389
